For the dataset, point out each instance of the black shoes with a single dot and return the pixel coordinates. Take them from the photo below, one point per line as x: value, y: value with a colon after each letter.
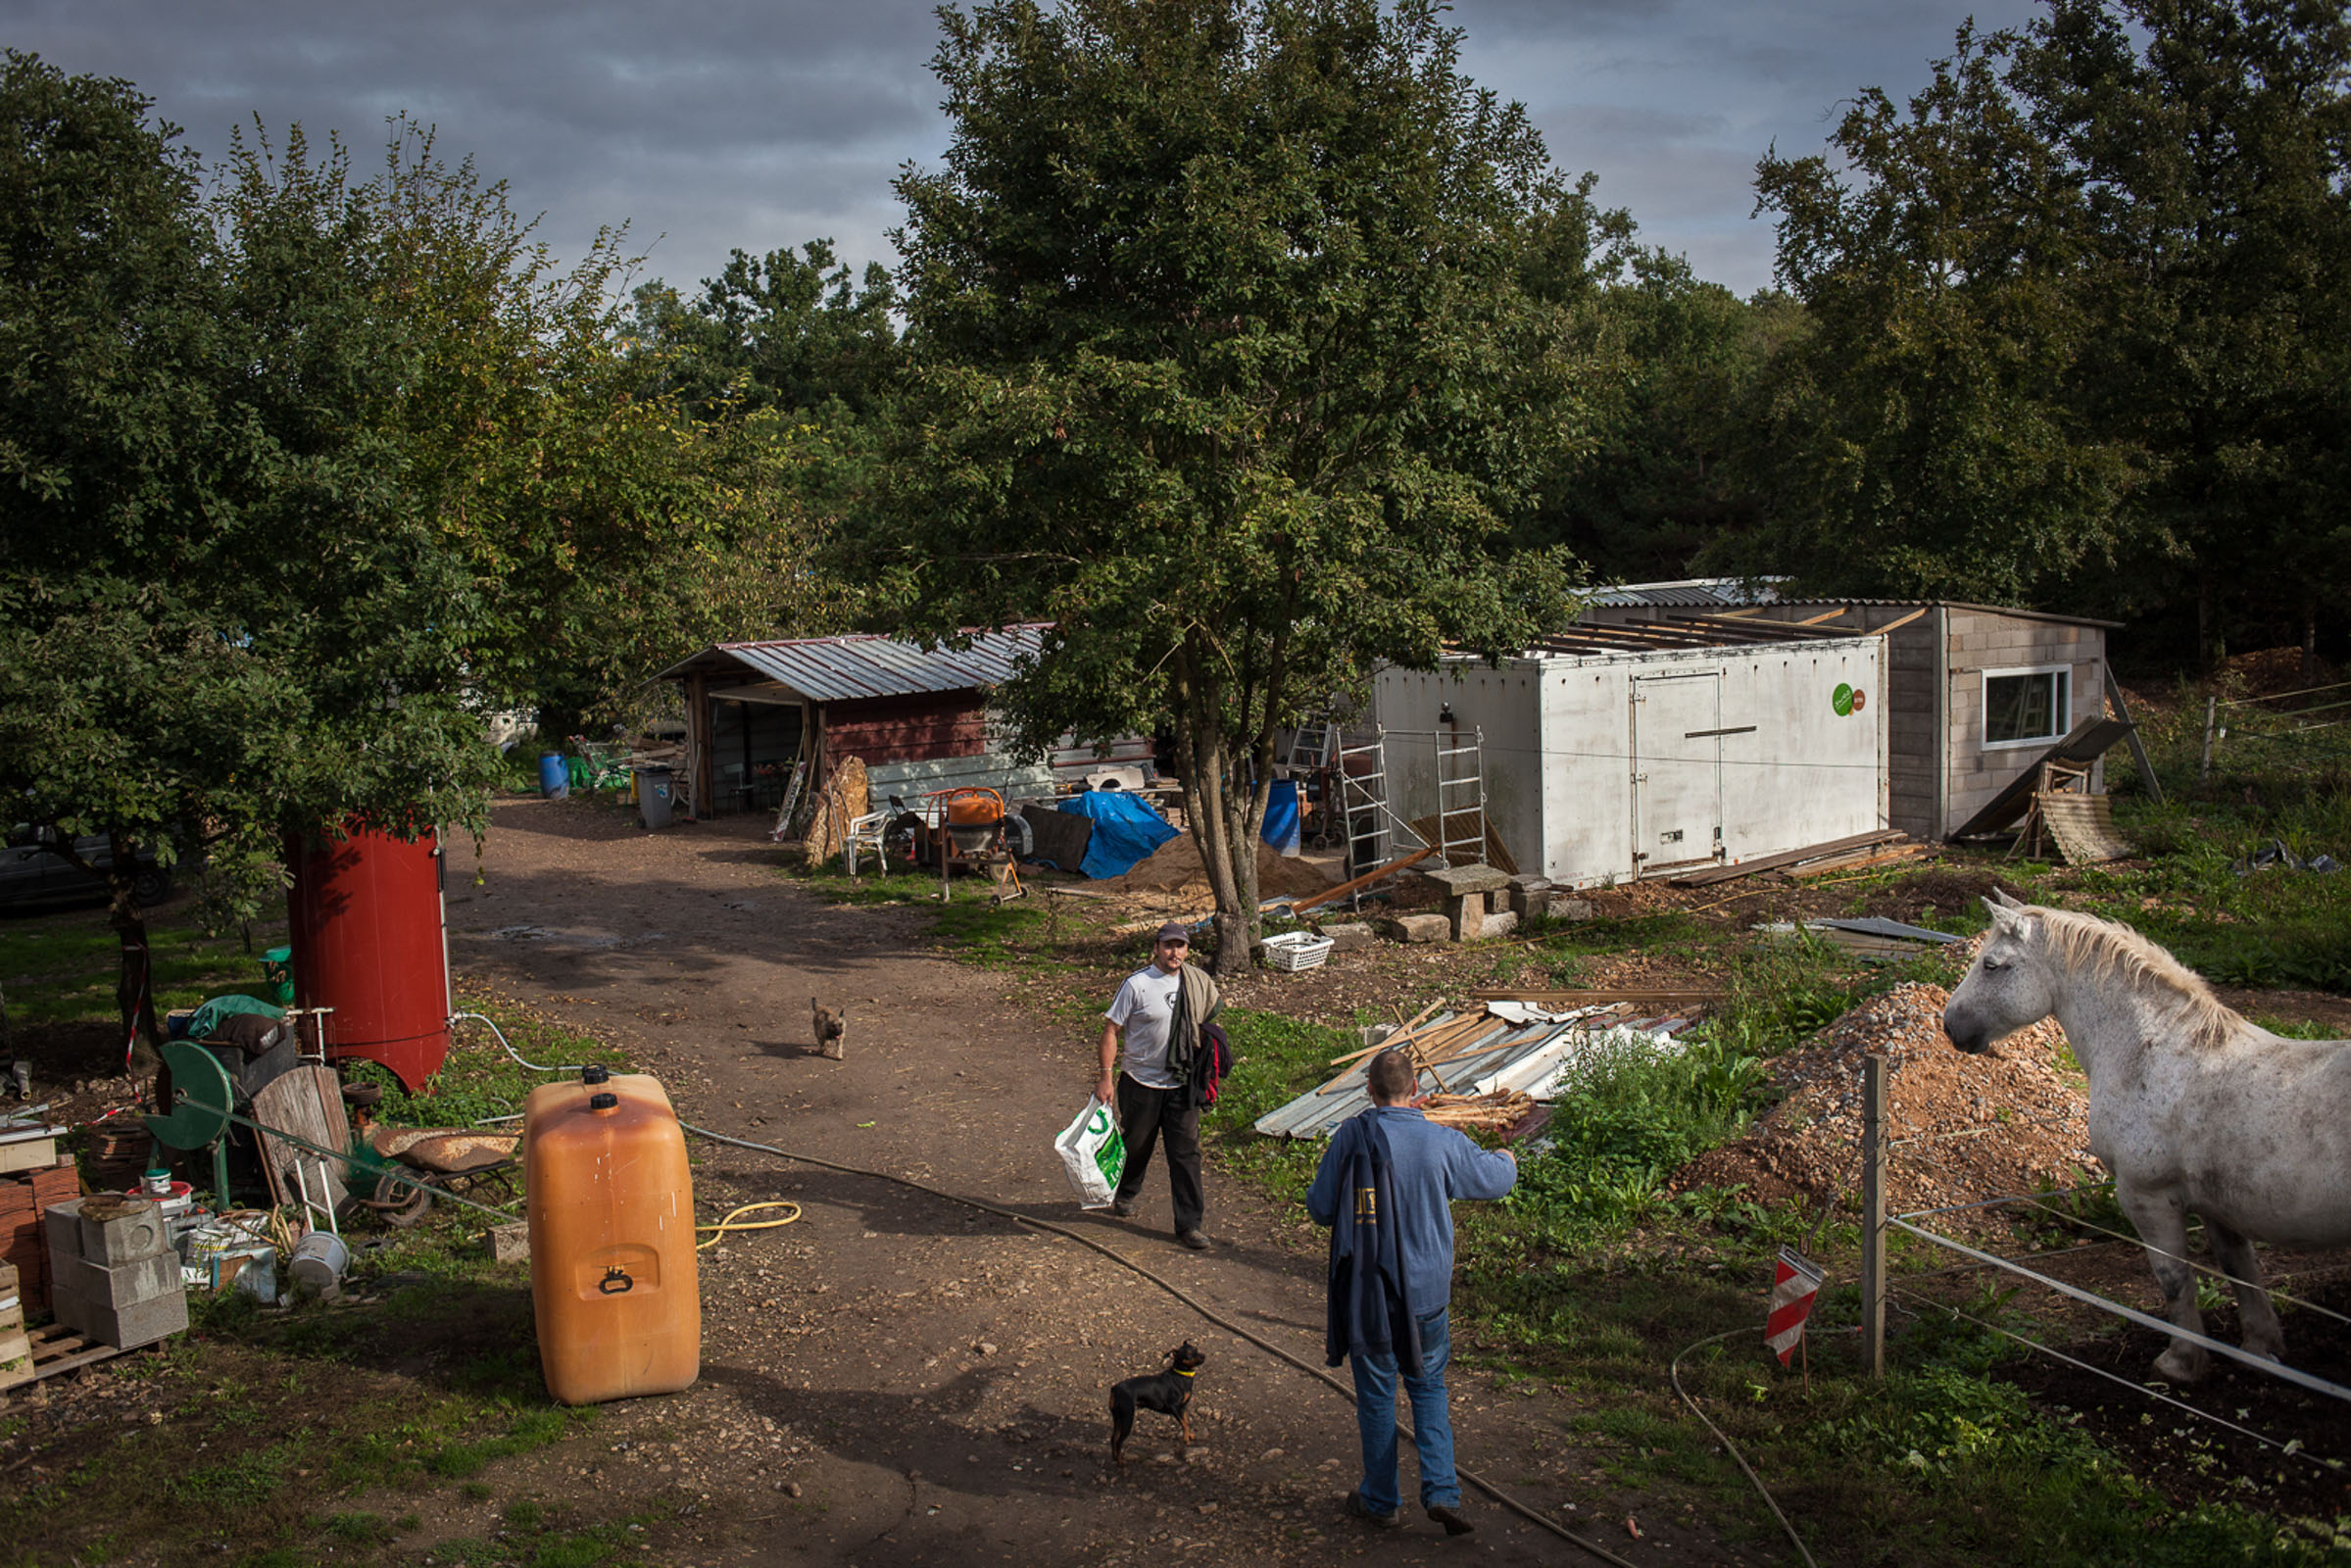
x: 1123, y: 1207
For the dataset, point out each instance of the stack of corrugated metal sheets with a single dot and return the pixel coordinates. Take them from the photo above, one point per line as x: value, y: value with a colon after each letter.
x: 1482, y: 1054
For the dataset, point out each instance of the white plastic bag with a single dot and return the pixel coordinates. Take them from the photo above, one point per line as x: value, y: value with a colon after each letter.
x: 1093, y: 1154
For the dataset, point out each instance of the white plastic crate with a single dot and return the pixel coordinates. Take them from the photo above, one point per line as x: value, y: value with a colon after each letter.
x: 1296, y: 949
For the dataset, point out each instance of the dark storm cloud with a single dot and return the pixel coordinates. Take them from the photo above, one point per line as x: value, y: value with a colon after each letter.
x: 765, y: 124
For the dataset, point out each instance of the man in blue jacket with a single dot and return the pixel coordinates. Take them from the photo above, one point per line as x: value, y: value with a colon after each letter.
x: 1385, y: 1189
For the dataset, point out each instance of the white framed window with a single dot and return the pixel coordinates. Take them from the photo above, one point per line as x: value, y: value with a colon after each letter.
x: 2027, y: 707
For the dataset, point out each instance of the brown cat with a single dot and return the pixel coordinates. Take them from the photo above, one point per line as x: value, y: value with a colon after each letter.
x: 829, y: 1027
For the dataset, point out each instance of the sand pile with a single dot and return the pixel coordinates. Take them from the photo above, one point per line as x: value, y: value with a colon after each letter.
x: 1963, y: 1128
x: 1175, y: 868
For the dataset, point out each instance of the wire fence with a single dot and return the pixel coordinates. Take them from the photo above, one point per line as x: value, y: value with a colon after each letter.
x: 2029, y: 1269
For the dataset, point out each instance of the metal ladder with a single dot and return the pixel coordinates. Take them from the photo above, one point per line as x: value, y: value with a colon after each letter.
x: 1461, y: 801
x: 1372, y: 825
x: 1314, y: 745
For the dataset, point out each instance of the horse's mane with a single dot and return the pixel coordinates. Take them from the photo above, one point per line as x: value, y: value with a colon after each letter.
x: 2085, y: 944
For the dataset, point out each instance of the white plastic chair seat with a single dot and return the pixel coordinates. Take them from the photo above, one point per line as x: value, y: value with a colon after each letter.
x: 865, y: 833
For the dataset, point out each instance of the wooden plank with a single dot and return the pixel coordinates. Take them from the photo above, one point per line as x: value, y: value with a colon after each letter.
x: 306, y: 1103
x: 1402, y: 1036
x: 1858, y: 861
x: 2138, y: 751
x: 1771, y: 862
x: 1363, y: 881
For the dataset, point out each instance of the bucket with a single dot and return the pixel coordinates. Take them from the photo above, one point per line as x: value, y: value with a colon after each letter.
x: 156, y: 1183
x: 653, y: 795
x: 318, y: 1261
x: 277, y: 966
x: 554, y: 776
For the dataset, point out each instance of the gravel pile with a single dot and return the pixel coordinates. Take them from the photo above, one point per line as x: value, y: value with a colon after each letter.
x: 1963, y: 1128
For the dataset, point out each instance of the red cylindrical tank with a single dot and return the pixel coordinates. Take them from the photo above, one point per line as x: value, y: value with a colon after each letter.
x: 368, y: 942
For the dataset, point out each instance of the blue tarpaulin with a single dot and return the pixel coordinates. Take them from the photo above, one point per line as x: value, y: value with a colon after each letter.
x: 1125, y: 831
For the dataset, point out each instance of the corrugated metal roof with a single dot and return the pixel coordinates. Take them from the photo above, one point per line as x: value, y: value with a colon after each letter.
x: 1523, y: 1056
x: 1731, y: 593
x: 1691, y: 593
x: 830, y: 670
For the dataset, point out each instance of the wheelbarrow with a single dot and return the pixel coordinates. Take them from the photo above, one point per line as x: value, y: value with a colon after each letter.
x: 441, y: 1158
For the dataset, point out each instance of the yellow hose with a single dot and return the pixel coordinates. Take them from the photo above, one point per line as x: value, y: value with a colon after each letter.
x: 728, y: 1223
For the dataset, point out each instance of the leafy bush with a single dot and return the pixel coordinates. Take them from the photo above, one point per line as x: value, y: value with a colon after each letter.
x: 1625, y: 1117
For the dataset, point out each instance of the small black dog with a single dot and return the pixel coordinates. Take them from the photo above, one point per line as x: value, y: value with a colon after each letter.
x: 1169, y: 1393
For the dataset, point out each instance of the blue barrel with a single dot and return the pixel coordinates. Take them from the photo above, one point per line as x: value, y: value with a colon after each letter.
x: 1280, y: 827
x: 554, y: 775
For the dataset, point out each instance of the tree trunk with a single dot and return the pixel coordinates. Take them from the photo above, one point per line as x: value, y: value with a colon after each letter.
x: 134, y: 989
x: 1216, y: 805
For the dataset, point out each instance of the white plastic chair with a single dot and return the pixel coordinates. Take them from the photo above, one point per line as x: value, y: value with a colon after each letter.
x: 865, y: 833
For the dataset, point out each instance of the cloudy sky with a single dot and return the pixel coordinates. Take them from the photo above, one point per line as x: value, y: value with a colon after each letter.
x: 739, y: 123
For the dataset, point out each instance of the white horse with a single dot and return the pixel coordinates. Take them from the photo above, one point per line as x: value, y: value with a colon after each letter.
x: 2192, y: 1108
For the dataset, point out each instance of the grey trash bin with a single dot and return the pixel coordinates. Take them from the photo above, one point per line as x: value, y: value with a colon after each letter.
x: 653, y: 795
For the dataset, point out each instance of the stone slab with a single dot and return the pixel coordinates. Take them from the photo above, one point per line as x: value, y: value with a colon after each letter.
x: 1560, y: 907
x: 1459, y: 879
x: 1348, y: 935
x: 121, y: 1286
x: 142, y: 1323
x: 1523, y: 882
x: 1420, y: 928
x: 1498, y: 924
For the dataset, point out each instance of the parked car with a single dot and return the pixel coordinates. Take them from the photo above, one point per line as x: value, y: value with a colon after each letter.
x: 32, y: 872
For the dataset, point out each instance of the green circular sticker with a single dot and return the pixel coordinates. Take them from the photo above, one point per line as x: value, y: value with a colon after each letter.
x: 1841, y: 700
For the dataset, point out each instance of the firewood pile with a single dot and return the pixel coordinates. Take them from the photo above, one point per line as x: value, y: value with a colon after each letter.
x: 1496, y: 1112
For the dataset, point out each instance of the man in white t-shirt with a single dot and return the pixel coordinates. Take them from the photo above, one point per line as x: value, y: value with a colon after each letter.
x: 1156, y: 1001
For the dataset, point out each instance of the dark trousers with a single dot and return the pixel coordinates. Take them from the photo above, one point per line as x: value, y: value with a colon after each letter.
x: 1144, y: 1115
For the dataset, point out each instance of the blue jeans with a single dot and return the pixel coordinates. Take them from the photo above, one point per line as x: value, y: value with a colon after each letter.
x: 1432, y: 1422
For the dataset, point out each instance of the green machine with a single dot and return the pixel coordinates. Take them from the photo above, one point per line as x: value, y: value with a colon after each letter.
x: 202, y: 1098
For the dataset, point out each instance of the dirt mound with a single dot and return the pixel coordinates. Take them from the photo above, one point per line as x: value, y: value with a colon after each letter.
x: 1176, y: 868
x: 2270, y: 670
x: 1963, y: 1128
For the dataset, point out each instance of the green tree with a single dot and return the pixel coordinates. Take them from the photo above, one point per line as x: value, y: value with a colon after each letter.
x: 308, y: 475
x: 2212, y: 140
x: 1927, y: 434
x: 1222, y: 363
x: 798, y: 333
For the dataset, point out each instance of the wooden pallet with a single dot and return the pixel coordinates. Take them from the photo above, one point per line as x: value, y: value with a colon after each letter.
x: 57, y: 1349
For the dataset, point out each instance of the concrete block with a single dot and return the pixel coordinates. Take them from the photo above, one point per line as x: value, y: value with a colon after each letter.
x: 1348, y: 935
x: 1528, y: 895
x: 1498, y: 924
x: 1465, y: 915
x: 123, y: 1285
x: 63, y: 1223
x: 511, y: 1243
x: 142, y: 1323
x: 121, y: 1230
x: 1420, y: 928
x: 1563, y: 906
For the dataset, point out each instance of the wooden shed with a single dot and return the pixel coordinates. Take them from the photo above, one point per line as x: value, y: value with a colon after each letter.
x: 916, y: 717
x: 1976, y: 693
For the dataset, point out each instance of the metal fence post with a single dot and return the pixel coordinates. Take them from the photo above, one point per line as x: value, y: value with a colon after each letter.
x: 2212, y: 707
x: 1873, y: 1213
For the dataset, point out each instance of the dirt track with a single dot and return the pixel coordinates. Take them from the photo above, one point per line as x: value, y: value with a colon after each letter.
x: 901, y: 1380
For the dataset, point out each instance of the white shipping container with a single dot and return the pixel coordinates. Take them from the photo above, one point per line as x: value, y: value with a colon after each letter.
x: 1607, y: 766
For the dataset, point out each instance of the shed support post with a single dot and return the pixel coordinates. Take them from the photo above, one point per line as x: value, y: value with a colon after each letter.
x: 2212, y: 707
x: 1873, y: 1213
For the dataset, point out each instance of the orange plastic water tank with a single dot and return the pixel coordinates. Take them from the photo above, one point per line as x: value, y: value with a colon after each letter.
x: 611, y: 1239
